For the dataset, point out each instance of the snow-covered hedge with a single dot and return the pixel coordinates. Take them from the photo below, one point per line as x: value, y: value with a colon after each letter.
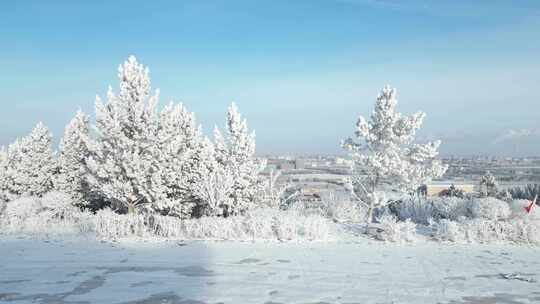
x: 263, y: 224
x: 421, y: 211
x: 54, y: 215
x: 487, y: 231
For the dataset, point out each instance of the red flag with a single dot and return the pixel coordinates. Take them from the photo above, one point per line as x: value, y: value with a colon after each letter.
x: 531, y: 205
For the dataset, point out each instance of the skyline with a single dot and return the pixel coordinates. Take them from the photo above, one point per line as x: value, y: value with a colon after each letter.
x: 301, y: 73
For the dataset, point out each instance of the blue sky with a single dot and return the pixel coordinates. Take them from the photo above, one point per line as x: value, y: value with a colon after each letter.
x: 300, y: 71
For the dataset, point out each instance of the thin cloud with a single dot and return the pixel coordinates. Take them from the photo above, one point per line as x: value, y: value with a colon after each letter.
x: 516, y: 135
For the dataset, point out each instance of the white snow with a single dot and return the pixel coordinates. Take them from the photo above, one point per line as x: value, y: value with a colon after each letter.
x: 85, y: 270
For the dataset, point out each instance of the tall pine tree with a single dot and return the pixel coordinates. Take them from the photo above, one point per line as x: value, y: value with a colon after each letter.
x: 73, y: 152
x: 122, y: 165
x: 235, y: 152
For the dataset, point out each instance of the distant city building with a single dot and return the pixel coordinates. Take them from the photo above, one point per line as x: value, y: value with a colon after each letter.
x: 299, y: 164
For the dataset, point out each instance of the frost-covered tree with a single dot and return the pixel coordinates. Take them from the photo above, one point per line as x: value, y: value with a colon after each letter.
x: 27, y: 165
x: 184, y: 157
x: 488, y: 184
x: 214, y: 190
x: 4, y: 177
x: 73, y: 152
x: 235, y: 152
x: 122, y: 165
x: 143, y: 157
x: 384, y: 154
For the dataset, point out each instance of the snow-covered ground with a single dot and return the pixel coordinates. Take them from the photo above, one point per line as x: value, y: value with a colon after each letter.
x: 84, y: 270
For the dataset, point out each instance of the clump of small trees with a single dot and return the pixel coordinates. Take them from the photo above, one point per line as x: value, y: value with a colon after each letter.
x: 135, y: 157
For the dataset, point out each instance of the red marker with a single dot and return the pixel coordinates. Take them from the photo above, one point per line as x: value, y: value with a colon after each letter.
x: 531, y: 205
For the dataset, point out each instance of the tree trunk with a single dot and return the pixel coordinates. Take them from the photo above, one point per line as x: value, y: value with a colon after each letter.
x: 369, y: 218
x: 131, y: 209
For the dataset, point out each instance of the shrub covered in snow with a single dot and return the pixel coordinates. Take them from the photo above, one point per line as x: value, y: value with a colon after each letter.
x: 416, y: 209
x: 52, y: 214
x: 447, y: 230
x: 57, y: 201
x: 451, y: 208
x: 262, y: 224
x: 489, y: 208
x: 22, y: 208
x: 487, y: 231
x: 342, y: 209
x: 392, y: 230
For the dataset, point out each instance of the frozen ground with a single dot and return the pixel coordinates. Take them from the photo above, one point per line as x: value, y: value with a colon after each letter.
x: 88, y: 271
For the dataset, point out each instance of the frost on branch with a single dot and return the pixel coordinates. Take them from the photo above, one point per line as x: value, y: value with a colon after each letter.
x: 27, y: 165
x: 215, y: 189
x: 235, y: 153
x: 384, y: 153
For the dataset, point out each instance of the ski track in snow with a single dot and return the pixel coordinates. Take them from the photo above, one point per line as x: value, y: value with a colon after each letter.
x: 129, y: 271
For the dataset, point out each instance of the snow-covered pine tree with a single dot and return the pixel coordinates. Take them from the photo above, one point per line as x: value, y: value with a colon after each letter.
x: 122, y: 165
x: 28, y: 165
x: 184, y: 155
x: 73, y: 152
x: 384, y: 153
x: 235, y: 152
x: 489, y: 185
x: 4, y: 180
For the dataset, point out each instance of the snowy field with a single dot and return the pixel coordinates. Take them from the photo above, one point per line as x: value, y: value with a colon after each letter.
x: 84, y: 270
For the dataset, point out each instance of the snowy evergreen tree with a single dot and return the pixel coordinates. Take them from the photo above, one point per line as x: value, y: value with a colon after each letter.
x: 488, y: 185
x: 142, y: 157
x: 122, y: 165
x: 184, y: 154
x: 28, y: 165
x: 4, y: 176
x: 73, y: 152
x: 235, y: 152
x: 384, y: 153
